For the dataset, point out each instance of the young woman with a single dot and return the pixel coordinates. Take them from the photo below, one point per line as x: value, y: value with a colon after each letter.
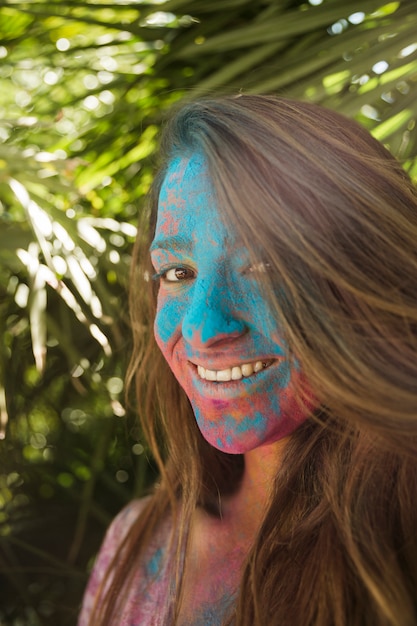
x: 275, y: 365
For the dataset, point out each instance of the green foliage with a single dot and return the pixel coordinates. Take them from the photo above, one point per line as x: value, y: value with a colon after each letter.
x: 84, y: 88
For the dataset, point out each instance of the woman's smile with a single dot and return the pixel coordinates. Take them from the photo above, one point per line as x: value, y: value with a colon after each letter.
x: 213, y: 325
x: 235, y: 372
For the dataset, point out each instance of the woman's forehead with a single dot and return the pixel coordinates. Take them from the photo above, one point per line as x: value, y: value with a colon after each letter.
x: 190, y: 212
x: 186, y: 177
x: 187, y: 200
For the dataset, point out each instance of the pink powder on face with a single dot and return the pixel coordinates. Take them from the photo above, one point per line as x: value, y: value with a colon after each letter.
x: 211, y: 313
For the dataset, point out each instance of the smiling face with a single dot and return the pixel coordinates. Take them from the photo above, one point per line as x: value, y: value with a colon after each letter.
x: 213, y: 325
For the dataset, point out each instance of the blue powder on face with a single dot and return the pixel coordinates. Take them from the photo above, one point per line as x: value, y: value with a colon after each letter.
x: 219, y: 306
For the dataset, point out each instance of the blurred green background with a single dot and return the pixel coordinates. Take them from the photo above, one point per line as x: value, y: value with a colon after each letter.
x: 84, y: 87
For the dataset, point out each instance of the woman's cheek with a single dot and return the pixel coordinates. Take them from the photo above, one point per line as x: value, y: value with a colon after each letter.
x: 167, y: 323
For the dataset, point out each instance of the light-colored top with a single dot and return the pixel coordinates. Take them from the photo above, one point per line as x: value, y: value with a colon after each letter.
x: 148, y: 601
x: 145, y: 604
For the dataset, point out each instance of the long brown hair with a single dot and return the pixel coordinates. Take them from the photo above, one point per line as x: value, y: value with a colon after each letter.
x: 336, y: 217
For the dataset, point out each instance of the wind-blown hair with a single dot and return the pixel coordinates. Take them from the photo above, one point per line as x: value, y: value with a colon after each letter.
x: 335, y: 216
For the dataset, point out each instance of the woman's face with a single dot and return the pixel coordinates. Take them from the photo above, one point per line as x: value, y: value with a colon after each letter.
x: 216, y: 331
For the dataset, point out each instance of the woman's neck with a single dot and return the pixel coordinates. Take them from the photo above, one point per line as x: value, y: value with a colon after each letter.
x: 220, y: 545
x: 249, y: 503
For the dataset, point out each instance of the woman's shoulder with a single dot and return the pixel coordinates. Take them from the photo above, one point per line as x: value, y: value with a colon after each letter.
x: 116, y: 534
x: 150, y: 565
x: 123, y: 522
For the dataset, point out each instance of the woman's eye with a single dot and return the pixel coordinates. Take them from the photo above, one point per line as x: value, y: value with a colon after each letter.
x: 176, y: 274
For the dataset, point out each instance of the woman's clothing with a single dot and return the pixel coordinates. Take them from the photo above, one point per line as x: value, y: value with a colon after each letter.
x: 148, y: 596
x: 145, y: 604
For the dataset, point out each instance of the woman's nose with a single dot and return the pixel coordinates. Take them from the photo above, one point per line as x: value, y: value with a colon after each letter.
x: 211, y: 317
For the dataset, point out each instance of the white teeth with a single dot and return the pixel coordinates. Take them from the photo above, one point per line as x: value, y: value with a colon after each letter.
x: 247, y: 369
x: 224, y: 375
x: 211, y: 375
x: 234, y: 373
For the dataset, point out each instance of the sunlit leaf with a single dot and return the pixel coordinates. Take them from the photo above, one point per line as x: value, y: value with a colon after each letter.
x: 390, y: 126
x: 287, y: 25
x: 4, y: 417
x: 37, y: 318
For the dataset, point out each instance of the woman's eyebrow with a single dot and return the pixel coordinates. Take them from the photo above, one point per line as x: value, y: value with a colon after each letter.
x: 174, y: 242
